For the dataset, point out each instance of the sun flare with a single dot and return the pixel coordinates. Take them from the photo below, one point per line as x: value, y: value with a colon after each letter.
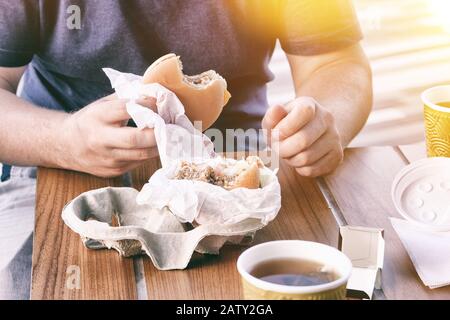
x: 439, y: 10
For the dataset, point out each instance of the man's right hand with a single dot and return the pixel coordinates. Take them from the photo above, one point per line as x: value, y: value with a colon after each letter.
x: 96, y: 139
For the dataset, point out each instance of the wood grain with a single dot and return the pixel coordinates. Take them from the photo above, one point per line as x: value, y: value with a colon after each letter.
x: 304, y: 215
x: 414, y: 152
x: 361, y: 187
x: 58, y: 251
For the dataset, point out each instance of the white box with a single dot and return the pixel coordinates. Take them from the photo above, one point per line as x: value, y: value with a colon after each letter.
x: 365, y: 248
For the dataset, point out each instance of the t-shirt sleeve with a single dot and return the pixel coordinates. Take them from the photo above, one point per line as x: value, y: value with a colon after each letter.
x: 309, y: 27
x: 19, y: 31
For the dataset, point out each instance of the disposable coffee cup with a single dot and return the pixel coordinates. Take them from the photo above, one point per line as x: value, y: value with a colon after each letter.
x: 258, y: 289
x: 437, y: 121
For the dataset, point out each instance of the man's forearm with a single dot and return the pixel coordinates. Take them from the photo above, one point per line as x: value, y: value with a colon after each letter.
x: 29, y: 135
x: 345, y: 89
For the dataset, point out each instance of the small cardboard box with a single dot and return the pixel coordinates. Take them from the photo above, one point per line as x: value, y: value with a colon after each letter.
x: 365, y: 249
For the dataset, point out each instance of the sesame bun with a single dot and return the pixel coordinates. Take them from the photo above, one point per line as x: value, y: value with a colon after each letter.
x: 203, y: 95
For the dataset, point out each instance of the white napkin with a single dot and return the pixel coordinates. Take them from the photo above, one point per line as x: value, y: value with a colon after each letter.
x: 428, y: 250
x: 176, y: 136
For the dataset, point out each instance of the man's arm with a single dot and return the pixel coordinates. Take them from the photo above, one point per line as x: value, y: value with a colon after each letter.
x: 334, y: 99
x: 28, y: 135
x: 341, y: 82
x: 91, y: 140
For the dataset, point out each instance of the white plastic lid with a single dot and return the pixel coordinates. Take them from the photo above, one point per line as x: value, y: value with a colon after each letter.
x: 421, y: 193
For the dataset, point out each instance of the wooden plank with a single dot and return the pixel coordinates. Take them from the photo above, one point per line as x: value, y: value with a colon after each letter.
x: 304, y: 215
x: 378, y: 50
x: 58, y: 253
x: 414, y: 152
x: 412, y: 59
x: 361, y: 187
x: 407, y: 133
x: 417, y: 76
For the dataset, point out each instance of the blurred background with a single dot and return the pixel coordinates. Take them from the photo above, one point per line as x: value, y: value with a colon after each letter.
x: 408, y: 44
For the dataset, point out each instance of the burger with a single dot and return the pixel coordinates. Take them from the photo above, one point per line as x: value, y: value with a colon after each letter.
x: 203, y: 95
x: 226, y: 173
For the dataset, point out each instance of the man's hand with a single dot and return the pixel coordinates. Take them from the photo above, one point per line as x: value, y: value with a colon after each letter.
x: 95, y: 139
x: 305, y: 134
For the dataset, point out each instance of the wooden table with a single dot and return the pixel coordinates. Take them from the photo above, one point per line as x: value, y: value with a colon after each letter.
x: 358, y: 193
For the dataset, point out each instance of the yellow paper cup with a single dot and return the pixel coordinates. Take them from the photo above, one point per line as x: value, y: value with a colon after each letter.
x: 437, y: 121
x: 257, y: 289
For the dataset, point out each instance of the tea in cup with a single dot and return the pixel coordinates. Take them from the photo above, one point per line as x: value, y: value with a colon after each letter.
x: 294, y: 270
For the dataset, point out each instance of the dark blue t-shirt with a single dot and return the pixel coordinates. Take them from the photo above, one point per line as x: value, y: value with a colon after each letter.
x: 234, y: 37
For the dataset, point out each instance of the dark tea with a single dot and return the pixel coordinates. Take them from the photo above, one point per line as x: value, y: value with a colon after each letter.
x: 294, y: 272
x: 445, y: 104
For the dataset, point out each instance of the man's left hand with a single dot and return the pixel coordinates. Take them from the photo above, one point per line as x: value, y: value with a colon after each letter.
x: 305, y: 135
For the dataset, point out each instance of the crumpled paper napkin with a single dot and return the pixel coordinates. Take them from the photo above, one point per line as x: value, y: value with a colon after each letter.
x: 428, y: 250
x: 189, y: 215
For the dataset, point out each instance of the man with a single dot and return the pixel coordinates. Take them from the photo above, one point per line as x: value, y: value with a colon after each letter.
x: 60, y: 118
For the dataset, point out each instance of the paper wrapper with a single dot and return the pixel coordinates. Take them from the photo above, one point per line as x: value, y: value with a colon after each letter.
x: 169, y: 219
